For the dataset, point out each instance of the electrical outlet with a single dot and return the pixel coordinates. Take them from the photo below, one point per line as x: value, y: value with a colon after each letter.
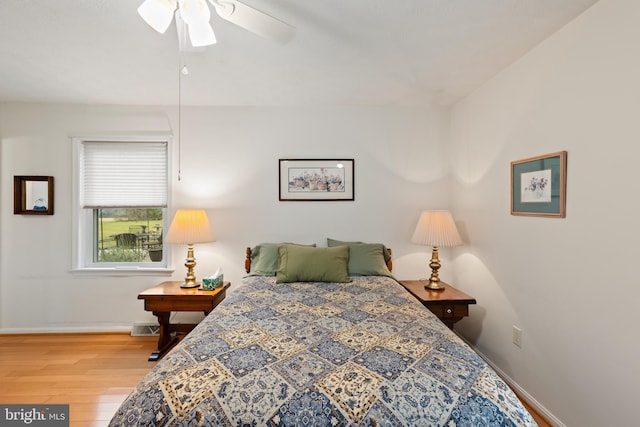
x: 517, y: 336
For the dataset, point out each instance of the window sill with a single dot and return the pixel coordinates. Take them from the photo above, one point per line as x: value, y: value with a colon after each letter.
x: 124, y: 271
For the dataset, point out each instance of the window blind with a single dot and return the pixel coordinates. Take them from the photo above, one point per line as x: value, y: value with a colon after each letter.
x: 123, y: 174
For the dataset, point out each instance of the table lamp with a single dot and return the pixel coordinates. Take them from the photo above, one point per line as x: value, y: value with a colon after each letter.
x: 436, y: 228
x: 190, y: 226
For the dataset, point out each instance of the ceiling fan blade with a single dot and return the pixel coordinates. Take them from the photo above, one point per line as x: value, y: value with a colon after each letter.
x: 254, y: 20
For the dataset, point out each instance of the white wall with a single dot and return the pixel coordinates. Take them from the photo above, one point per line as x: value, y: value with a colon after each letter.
x: 229, y: 166
x: 571, y: 284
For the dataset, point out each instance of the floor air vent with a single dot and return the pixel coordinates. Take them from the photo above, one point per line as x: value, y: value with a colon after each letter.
x: 145, y: 330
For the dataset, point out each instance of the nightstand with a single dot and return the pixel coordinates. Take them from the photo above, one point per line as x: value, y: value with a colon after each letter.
x: 449, y: 304
x: 168, y: 297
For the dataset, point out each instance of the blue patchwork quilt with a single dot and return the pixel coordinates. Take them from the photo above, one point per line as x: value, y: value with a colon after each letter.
x: 364, y: 353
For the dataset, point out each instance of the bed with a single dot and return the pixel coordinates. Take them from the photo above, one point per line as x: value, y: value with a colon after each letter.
x: 321, y: 337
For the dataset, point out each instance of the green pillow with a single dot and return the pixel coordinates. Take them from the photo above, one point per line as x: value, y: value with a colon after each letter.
x: 310, y: 264
x: 333, y: 242
x: 365, y: 259
x: 264, y: 259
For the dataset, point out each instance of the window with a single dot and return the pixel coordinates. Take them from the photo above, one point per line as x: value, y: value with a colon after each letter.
x: 122, y: 191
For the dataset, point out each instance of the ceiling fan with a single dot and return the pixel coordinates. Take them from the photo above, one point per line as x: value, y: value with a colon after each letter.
x: 195, y: 15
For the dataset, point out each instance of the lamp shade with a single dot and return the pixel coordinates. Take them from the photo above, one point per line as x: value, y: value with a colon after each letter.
x: 436, y: 228
x: 190, y: 226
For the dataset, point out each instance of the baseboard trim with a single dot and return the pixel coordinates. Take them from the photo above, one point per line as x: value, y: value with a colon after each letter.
x: 518, y: 390
x: 67, y: 330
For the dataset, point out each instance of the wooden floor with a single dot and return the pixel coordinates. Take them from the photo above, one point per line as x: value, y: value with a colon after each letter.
x: 539, y: 419
x: 93, y: 373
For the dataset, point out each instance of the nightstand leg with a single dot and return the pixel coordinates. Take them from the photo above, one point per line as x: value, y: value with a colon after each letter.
x: 164, y: 339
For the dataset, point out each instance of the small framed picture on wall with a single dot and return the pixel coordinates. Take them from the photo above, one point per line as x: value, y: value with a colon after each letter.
x: 33, y: 195
x: 538, y: 185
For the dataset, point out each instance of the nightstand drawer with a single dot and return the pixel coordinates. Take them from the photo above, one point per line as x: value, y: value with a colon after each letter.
x: 449, y: 310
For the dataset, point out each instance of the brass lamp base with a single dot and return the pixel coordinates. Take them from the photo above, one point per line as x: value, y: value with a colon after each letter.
x: 434, y: 281
x: 434, y: 286
x: 190, y: 263
x: 185, y: 285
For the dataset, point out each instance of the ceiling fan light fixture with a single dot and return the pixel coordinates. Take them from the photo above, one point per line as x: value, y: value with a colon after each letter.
x: 192, y: 20
x: 194, y: 11
x: 157, y: 13
x: 201, y: 34
x: 196, y: 14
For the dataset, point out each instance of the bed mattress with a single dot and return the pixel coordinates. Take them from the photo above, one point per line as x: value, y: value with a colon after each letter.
x: 363, y: 353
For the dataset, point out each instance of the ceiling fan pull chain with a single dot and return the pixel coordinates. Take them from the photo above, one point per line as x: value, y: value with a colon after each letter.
x: 183, y: 71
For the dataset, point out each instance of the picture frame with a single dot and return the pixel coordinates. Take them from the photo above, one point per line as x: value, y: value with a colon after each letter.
x: 316, y: 180
x: 33, y: 195
x: 538, y: 185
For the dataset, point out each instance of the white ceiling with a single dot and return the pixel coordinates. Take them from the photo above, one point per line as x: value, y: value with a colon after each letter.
x: 345, y: 52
